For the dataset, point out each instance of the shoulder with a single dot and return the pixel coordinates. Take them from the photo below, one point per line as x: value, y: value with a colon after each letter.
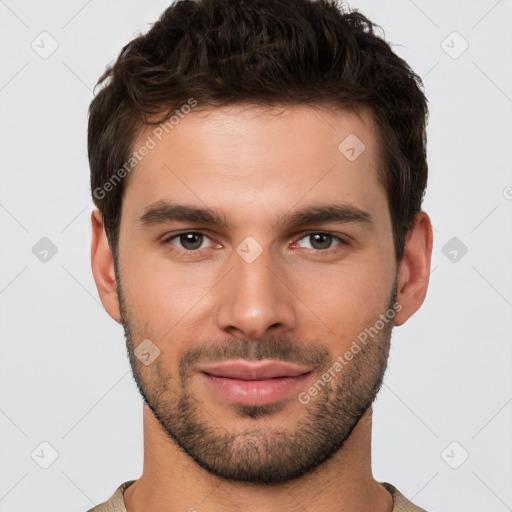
x: 400, y: 502
x: 115, y: 503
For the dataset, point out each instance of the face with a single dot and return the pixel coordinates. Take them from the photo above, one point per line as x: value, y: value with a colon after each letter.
x: 254, y: 257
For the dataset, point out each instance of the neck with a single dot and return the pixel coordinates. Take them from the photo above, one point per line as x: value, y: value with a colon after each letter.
x: 171, y: 480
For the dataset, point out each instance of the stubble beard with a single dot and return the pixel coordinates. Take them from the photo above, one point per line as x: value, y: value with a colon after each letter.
x: 260, y: 454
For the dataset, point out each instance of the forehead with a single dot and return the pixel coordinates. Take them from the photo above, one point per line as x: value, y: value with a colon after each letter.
x: 253, y: 154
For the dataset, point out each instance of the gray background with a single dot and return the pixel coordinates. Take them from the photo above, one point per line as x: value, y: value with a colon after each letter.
x: 64, y: 374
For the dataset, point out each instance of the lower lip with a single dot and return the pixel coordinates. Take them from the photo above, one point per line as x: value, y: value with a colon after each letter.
x: 255, y: 392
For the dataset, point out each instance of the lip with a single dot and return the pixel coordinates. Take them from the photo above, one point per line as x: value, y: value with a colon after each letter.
x: 244, y: 370
x: 254, y: 383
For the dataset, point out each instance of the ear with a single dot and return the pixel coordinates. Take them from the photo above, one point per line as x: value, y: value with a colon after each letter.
x: 102, y: 263
x: 414, y: 271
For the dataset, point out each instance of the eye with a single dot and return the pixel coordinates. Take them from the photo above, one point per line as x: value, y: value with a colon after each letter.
x: 190, y: 241
x: 320, y: 241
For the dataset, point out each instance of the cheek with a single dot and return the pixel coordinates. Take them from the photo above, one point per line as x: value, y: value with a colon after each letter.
x: 160, y: 293
x: 348, y: 299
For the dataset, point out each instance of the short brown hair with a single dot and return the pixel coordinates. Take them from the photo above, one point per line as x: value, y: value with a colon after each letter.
x: 264, y: 52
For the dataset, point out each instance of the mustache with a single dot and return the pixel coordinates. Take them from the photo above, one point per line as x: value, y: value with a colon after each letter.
x: 279, y: 348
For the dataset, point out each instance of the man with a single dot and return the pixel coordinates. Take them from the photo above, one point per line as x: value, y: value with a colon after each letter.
x: 258, y: 168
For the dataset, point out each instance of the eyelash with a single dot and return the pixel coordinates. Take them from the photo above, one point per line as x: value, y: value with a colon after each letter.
x: 341, y: 241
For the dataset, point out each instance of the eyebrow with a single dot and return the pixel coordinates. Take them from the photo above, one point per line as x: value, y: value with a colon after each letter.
x: 162, y: 212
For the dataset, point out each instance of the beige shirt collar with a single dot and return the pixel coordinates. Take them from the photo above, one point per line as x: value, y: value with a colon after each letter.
x: 116, y: 502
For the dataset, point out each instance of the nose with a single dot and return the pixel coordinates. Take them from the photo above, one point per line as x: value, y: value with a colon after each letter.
x: 254, y: 300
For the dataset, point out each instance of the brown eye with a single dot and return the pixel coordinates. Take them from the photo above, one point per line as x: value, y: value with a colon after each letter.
x: 190, y: 241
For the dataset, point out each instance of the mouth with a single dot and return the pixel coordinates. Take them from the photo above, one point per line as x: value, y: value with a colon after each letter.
x: 260, y: 383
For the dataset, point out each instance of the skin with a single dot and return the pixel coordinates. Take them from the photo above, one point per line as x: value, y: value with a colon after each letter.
x: 256, y: 167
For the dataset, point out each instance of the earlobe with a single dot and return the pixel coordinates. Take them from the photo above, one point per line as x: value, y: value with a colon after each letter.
x: 102, y: 263
x: 414, y: 270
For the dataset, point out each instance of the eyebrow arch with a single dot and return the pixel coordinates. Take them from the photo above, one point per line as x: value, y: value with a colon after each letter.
x: 161, y: 212
x: 326, y: 213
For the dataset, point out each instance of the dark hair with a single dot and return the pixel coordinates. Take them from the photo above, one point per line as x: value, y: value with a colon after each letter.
x: 262, y: 52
